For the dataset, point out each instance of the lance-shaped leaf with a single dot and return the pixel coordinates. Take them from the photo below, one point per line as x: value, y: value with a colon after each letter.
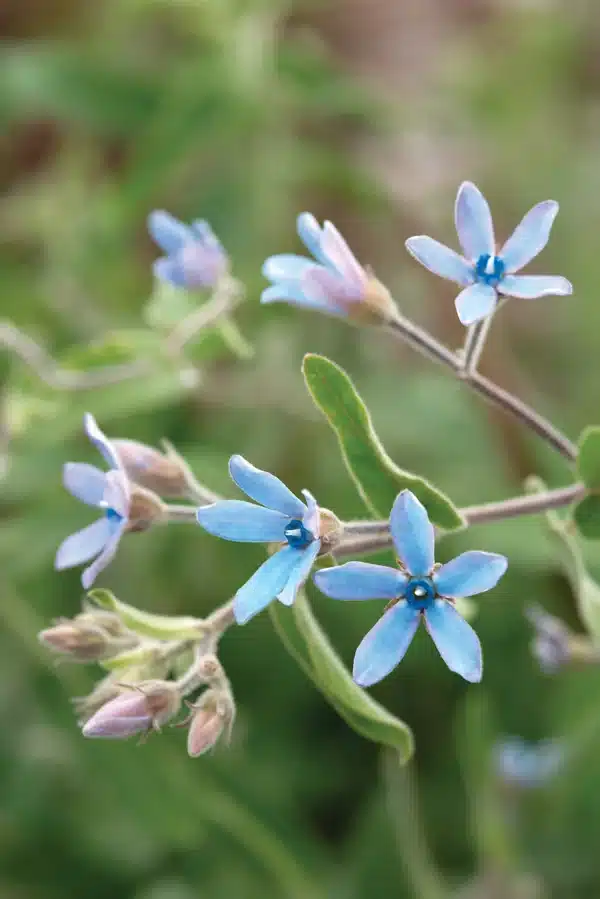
x: 303, y: 637
x: 160, y: 627
x: 377, y: 478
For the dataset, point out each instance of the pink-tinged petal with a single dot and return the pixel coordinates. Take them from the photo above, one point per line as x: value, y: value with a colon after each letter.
x: 100, y: 440
x: 360, y: 580
x: 126, y: 715
x: 530, y: 236
x: 83, y: 545
x: 413, y: 534
x: 299, y: 573
x: 233, y: 519
x: 475, y: 302
x: 328, y: 290
x: 474, y: 222
x: 440, y: 259
x: 89, y: 575
x: 265, y: 584
x: 469, y: 574
x: 385, y: 645
x: 311, y: 233
x: 265, y: 488
x: 85, y: 482
x: 341, y: 257
x: 530, y: 287
x: 456, y: 641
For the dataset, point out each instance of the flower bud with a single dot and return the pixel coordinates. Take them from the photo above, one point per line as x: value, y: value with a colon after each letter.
x: 146, y: 509
x: 142, y: 708
x: 330, y: 530
x: 162, y: 473
x: 83, y: 642
x: 211, y: 717
x: 376, y: 305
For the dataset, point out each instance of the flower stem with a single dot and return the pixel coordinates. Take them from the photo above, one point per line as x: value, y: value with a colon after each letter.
x: 405, y: 330
x: 477, y: 335
x: 181, y: 514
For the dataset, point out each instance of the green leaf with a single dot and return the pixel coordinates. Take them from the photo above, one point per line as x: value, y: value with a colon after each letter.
x: 161, y: 627
x: 586, y: 516
x: 377, y: 478
x: 588, y: 461
x: 303, y: 637
x: 585, y: 588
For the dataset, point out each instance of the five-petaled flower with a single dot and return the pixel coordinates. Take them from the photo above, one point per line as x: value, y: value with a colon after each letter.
x: 420, y: 589
x: 336, y: 283
x: 109, y: 491
x: 486, y: 272
x: 281, y: 518
x: 194, y: 255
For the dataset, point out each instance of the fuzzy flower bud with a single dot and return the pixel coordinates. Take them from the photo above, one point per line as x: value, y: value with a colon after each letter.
x: 144, y: 707
x: 164, y: 473
x: 330, y: 530
x: 145, y: 510
x: 212, y: 716
x: 82, y: 642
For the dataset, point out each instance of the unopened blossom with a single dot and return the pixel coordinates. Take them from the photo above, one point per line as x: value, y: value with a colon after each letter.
x: 484, y: 271
x: 417, y: 590
x: 108, y: 491
x: 194, y: 257
x: 164, y: 473
x: 210, y: 719
x: 333, y: 282
x: 281, y: 518
x: 528, y: 765
x: 137, y: 710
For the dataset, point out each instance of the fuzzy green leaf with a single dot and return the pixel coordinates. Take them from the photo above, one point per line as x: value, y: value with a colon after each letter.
x: 161, y: 627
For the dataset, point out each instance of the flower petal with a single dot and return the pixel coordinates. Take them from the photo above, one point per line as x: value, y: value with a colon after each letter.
x: 85, y: 482
x: 265, y: 488
x: 286, y: 267
x: 205, y: 233
x: 310, y: 233
x: 300, y: 573
x: 312, y: 516
x: 412, y: 533
x: 89, y: 575
x: 440, y: 259
x: 455, y: 639
x: 360, y: 580
x: 83, y: 545
x: 530, y: 236
x: 167, y: 231
x: 170, y: 271
x: 117, y: 493
x: 293, y: 293
x: 530, y: 287
x: 470, y: 573
x: 265, y: 584
x: 100, y: 441
x: 340, y: 256
x: 385, y: 645
x: 233, y: 519
x: 475, y: 303
x: 474, y: 222
x: 328, y: 290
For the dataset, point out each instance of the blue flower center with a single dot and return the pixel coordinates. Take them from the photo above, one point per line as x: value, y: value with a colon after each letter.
x: 489, y: 270
x: 113, y: 516
x: 297, y: 535
x: 420, y: 593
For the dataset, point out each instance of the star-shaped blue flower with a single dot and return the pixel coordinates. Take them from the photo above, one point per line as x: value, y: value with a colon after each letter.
x: 281, y: 518
x: 334, y: 283
x: 194, y: 256
x: 419, y: 590
x: 482, y: 271
x: 108, y: 491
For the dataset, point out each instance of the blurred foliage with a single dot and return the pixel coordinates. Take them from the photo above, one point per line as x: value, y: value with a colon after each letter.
x: 239, y: 111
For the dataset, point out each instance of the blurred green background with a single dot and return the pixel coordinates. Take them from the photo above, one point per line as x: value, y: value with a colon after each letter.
x: 368, y: 112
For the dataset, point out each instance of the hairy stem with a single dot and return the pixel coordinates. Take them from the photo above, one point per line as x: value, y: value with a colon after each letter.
x: 181, y: 514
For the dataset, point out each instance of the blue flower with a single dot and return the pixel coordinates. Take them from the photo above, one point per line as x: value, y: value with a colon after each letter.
x: 194, y: 256
x: 335, y: 283
x: 485, y: 273
x: 528, y: 765
x: 420, y: 589
x: 281, y: 518
x: 108, y: 491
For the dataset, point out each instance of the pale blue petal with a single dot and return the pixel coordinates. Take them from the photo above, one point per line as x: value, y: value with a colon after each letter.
x: 412, y: 533
x: 293, y: 293
x: 90, y: 574
x: 265, y: 488
x: 265, y: 584
x: 84, y: 544
x: 385, y: 645
x: 455, y: 639
x: 101, y: 441
x: 360, y: 580
x: 286, y: 267
x: 474, y: 222
x: 530, y: 287
x: 312, y: 515
x: 117, y: 494
x: 440, y: 259
x: 475, y: 303
x: 167, y: 231
x: 530, y: 236
x: 470, y: 573
x: 300, y: 572
x: 311, y: 235
x: 85, y: 482
x: 242, y: 522
x: 202, y: 230
x: 170, y: 271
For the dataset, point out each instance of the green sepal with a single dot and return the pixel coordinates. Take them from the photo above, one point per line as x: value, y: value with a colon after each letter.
x: 377, y: 478
x: 586, y: 516
x: 160, y: 627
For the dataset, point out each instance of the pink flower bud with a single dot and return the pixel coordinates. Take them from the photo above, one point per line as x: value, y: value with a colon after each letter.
x: 83, y: 642
x: 139, y: 710
x: 146, y: 466
x: 212, y: 716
